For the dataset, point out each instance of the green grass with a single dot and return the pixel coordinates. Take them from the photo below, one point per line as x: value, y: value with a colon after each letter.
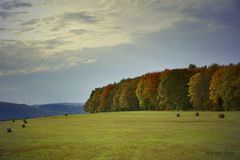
x: 124, y: 135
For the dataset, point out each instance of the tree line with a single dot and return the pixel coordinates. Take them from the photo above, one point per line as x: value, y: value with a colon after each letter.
x: 215, y: 87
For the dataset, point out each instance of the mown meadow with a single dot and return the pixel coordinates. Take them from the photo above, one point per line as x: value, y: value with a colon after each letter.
x: 124, y: 135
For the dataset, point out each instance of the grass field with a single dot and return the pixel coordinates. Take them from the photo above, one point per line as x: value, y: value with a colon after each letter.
x: 124, y: 135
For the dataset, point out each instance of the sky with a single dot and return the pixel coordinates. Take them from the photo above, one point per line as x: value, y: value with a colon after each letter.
x: 54, y: 51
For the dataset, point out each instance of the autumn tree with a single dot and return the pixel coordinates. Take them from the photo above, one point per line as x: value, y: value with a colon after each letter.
x: 147, y: 92
x: 116, y: 95
x: 207, y: 88
x: 105, y: 99
x: 128, y: 99
x: 93, y: 102
x: 225, y: 88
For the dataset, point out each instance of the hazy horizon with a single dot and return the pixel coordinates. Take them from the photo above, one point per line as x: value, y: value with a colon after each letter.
x: 54, y: 51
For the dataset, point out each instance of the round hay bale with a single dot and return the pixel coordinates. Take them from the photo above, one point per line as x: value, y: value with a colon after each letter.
x: 178, y: 114
x: 66, y: 114
x: 9, y: 130
x: 25, y: 121
x: 221, y: 115
x: 197, y: 114
x: 13, y: 121
x: 23, y: 125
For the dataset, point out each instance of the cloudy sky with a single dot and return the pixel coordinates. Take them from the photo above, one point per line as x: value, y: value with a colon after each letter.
x: 59, y: 50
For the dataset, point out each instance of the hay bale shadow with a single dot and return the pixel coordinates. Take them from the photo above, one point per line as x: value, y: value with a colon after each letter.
x: 221, y: 115
x: 178, y: 115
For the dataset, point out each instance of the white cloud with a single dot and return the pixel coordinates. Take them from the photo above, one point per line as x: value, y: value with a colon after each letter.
x: 17, y: 57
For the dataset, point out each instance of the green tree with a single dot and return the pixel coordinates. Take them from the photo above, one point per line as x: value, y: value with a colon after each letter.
x: 192, y: 66
x: 199, y: 91
x: 173, y: 89
x: 199, y: 88
x: 225, y: 88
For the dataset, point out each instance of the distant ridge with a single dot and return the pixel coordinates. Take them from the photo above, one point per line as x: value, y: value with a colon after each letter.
x: 60, y: 108
x: 10, y: 110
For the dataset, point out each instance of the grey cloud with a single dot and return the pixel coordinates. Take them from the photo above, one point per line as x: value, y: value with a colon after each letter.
x: 2, y: 29
x: 17, y: 57
x: 217, y: 13
x: 7, y: 14
x: 210, y: 14
x: 15, y: 4
x: 52, y: 43
x: 78, y: 31
x: 30, y: 22
x: 24, y: 29
x: 16, y: 54
x: 80, y: 16
x: 60, y: 22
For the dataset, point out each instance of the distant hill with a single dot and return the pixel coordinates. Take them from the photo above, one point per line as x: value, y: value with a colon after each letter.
x: 18, y: 111
x: 60, y: 108
x: 15, y: 111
